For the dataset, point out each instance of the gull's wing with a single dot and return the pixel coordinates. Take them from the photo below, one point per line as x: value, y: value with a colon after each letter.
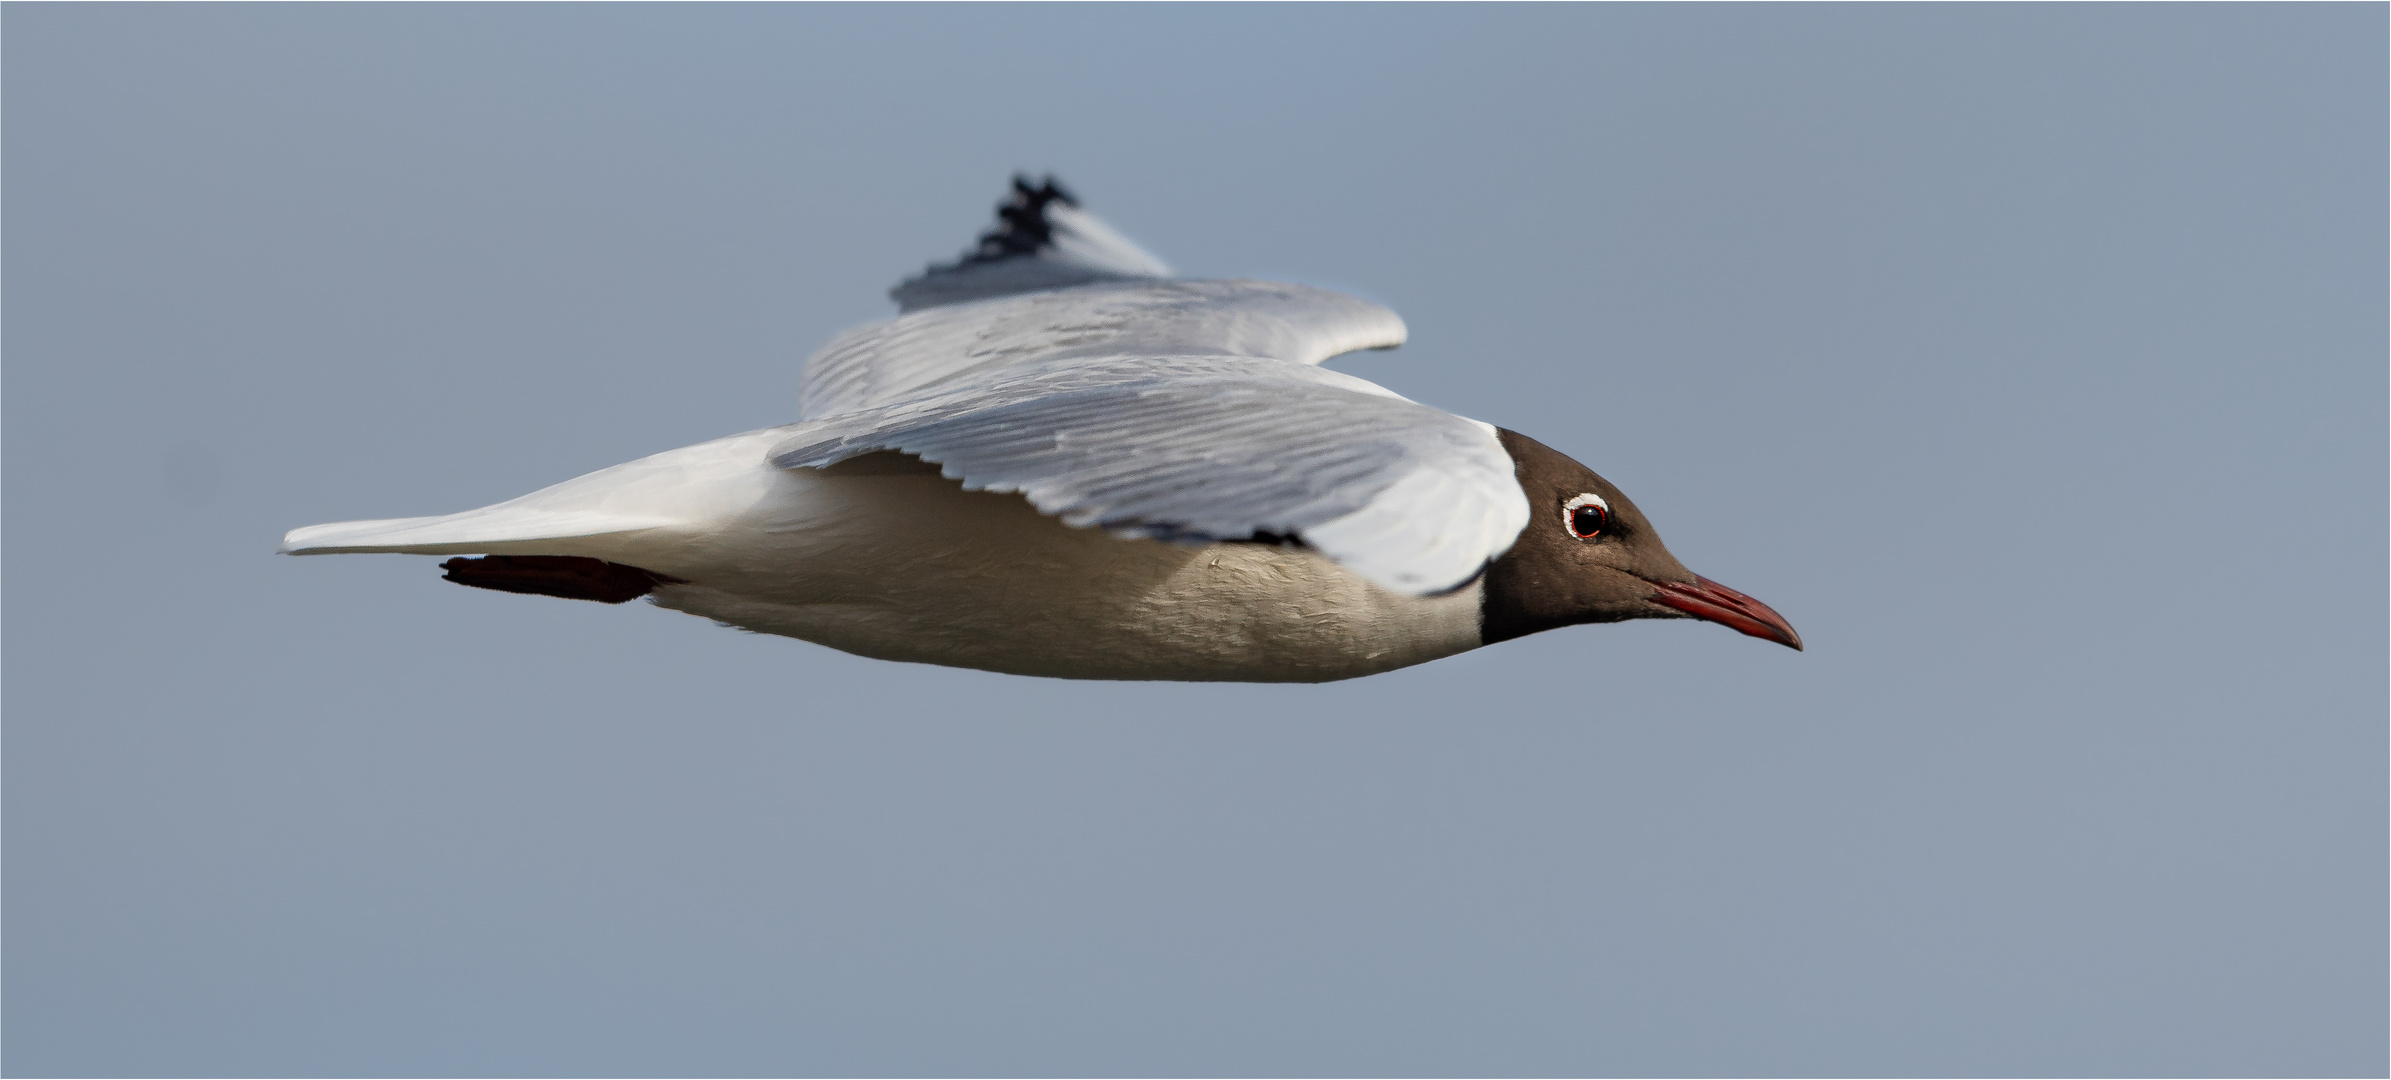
x: 1051, y: 281
x: 889, y: 362
x: 1211, y: 447
x: 1060, y: 360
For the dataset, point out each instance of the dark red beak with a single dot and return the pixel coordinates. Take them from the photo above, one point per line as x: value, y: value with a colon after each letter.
x: 1707, y: 599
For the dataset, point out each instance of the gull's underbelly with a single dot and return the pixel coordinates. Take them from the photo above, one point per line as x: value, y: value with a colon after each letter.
x: 887, y: 559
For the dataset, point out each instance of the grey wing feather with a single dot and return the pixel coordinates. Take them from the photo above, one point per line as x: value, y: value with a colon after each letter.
x: 891, y: 361
x: 1202, y: 448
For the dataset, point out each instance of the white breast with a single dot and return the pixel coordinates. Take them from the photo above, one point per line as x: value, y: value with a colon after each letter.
x: 883, y: 557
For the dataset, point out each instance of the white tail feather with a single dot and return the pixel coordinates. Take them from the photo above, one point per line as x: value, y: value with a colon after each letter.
x: 601, y: 514
x: 492, y: 530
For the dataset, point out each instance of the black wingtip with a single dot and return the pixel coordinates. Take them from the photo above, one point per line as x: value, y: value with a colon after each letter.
x: 1032, y: 246
x: 1021, y: 227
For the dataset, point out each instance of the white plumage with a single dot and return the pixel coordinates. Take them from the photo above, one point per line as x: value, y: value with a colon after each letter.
x: 1203, y: 501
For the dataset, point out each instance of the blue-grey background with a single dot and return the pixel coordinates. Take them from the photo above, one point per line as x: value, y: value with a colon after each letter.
x: 2031, y: 360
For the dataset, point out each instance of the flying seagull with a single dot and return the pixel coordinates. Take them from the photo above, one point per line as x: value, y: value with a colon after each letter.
x: 1061, y: 459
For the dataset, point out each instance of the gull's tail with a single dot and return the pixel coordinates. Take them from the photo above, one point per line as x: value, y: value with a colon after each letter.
x: 611, y: 535
x: 504, y: 528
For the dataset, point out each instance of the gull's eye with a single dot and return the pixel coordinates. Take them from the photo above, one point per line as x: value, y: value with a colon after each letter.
x: 1586, y: 516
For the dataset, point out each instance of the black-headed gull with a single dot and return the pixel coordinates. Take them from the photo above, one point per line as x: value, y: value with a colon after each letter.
x: 1061, y: 460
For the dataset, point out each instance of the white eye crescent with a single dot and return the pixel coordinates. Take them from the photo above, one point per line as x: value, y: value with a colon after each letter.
x: 1586, y: 516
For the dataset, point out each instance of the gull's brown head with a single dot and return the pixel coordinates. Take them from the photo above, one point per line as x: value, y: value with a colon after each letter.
x: 1588, y: 555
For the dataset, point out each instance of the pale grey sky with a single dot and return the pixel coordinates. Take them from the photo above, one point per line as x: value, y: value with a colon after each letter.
x: 2031, y: 360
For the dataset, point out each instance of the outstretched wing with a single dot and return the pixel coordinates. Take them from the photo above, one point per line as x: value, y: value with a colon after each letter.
x: 1051, y: 281
x: 1212, y: 447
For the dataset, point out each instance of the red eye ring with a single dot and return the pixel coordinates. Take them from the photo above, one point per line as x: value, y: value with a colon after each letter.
x: 1586, y: 516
